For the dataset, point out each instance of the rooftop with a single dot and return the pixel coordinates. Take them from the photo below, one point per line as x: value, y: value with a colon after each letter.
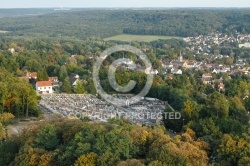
x: 43, y: 83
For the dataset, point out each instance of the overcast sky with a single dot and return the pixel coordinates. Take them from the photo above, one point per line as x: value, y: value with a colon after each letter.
x: 122, y: 3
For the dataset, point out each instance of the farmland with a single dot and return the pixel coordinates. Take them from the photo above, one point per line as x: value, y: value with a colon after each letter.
x: 140, y: 38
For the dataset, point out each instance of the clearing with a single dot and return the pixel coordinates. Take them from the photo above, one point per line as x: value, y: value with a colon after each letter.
x: 140, y: 38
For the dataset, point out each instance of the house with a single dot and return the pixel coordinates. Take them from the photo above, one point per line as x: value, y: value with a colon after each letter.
x: 179, y: 64
x: 12, y: 50
x: 54, y: 81
x: 44, y: 87
x: 151, y: 71
x: 154, y: 71
x: 207, y: 75
x: 220, y: 87
x: 167, y: 65
x: 207, y: 78
x: 240, y: 64
x: 191, y: 64
x: 176, y: 71
x: 32, y: 75
x: 74, y: 78
x: 215, y: 71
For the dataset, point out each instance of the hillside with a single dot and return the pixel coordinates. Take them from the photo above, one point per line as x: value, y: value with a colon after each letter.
x: 107, y: 23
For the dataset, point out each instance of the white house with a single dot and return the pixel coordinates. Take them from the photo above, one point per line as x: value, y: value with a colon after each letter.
x: 176, y: 71
x: 44, y: 87
x: 74, y: 78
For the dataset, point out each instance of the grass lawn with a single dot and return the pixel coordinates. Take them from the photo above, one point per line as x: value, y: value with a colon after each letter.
x: 140, y: 38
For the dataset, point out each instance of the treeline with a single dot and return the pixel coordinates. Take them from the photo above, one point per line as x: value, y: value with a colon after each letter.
x: 17, y: 96
x: 117, y: 142
x: 105, y: 23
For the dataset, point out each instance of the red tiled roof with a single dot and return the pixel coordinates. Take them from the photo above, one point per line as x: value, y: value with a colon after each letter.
x: 32, y: 74
x: 43, y: 83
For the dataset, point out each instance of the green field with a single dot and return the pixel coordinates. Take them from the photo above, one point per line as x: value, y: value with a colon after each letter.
x: 140, y: 38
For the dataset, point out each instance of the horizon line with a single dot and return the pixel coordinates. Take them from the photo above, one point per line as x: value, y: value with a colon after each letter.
x: 114, y: 7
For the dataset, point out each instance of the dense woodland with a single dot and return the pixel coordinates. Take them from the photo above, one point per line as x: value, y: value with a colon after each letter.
x: 214, y: 127
x: 105, y: 23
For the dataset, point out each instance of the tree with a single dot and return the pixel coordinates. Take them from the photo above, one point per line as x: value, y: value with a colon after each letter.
x: 218, y: 105
x: 86, y: 160
x: 3, y: 95
x: 5, y: 117
x: 79, y: 88
x: 190, y: 110
x: 47, y: 138
x: 8, y: 150
x: 130, y: 162
x: 107, y: 159
x: 66, y: 87
x: 42, y: 75
x: 46, y: 160
x: 63, y: 73
x: 231, y: 150
x: 2, y: 132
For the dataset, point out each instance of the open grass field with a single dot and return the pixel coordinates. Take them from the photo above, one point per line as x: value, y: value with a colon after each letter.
x: 140, y: 38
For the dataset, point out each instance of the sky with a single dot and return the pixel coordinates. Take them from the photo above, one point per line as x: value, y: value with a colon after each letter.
x: 122, y: 3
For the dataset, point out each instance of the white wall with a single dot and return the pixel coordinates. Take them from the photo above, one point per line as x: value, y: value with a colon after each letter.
x: 46, y: 89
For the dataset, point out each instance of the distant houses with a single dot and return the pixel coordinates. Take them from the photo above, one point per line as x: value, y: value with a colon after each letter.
x: 217, y: 84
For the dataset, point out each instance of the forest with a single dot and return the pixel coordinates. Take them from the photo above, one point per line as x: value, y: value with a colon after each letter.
x: 82, y: 23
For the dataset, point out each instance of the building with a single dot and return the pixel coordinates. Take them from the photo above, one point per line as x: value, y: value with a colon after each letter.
x: 168, y: 65
x: 207, y: 78
x: 180, y: 58
x: 179, y: 62
x: 54, y: 81
x: 74, y: 78
x: 176, y: 71
x: 32, y: 75
x: 44, y: 87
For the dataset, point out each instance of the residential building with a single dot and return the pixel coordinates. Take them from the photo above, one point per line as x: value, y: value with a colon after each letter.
x: 74, y: 78
x: 54, y: 81
x: 44, y: 87
x: 176, y: 71
x: 32, y: 75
